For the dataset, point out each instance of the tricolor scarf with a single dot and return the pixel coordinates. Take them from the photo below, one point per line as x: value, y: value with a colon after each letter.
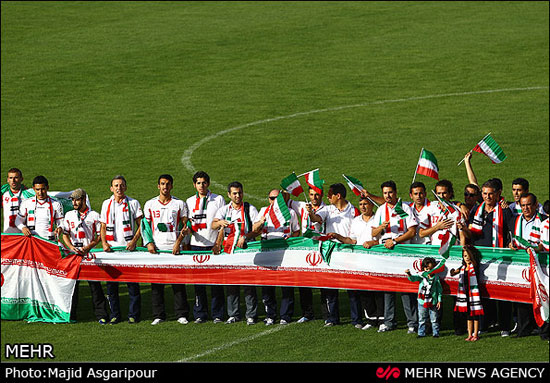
x: 80, y: 233
x: 497, y: 224
x: 286, y: 225
x: 387, y: 217
x: 425, y: 292
x: 15, y: 201
x: 126, y: 220
x: 199, y: 212
x: 468, y: 292
x: 31, y: 216
x: 240, y: 226
x: 544, y: 239
x: 534, y: 234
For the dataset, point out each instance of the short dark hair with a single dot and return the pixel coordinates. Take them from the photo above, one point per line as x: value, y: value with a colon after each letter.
x: 521, y: 181
x: 417, y: 184
x: 525, y: 195
x: 447, y: 184
x: 15, y: 170
x: 166, y: 177
x: 338, y: 188
x: 322, y: 191
x: 119, y: 177
x: 40, y: 180
x: 389, y: 184
x: 472, y: 186
x: 493, y: 183
x: 428, y: 260
x: 234, y: 184
x: 546, y: 206
x: 201, y: 174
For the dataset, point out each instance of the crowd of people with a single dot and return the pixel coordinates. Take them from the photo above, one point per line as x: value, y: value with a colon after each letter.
x: 205, y: 220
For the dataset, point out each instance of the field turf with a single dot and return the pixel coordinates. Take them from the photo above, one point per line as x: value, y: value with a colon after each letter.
x: 251, y: 92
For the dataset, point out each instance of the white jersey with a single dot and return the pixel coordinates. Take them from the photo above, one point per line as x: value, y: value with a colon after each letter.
x: 544, y: 234
x: 41, y: 217
x: 201, y: 215
x: 10, y: 206
x: 338, y: 221
x: 228, y: 213
x: 423, y: 218
x: 81, y: 227
x: 436, y: 215
x: 270, y: 232
x: 119, y: 219
x: 398, y: 225
x: 299, y: 208
x: 516, y: 208
x: 165, y: 220
x: 361, y: 230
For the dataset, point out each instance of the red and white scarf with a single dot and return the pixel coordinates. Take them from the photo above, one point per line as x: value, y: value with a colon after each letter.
x: 31, y: 215
x: 15, y: 201
x: 126, y: 220
x: 497, y: 224
x: 80, y: 233
x: 468, y: 280
x: 199, y: 212
x: 387, y: 217
x: 534, y: 234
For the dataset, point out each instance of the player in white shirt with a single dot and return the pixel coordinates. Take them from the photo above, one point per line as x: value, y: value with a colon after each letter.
x: 40, y: 215
x: 372, y: 302
x: 337, y: 218
x: 265, y: 226
x: 420, y: 207
x: 166, y: 215
x: 120, y: 226
x: 316, y: 202
x: 81, y: 233
x: 242, y: 213
x: 202, y: 209
x: 442, y: 218
x: 12, y: 197
x: 393, y: 230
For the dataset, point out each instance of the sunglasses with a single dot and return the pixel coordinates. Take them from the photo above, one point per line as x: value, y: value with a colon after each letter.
x: 470, y: 195
x: 273, y: 198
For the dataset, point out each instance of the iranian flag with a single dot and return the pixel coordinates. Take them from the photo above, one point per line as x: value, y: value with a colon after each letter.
x: 292, y: 185
x: 398, y: 209
x: 231, y: 241
x: 448, y: 240
x: 278, y: 212
x: 37, y: 282
x: 427, y: 165
x: 314, y: 181
x: 491, y: 149
x: 539, y: 289
x: 354, y: 184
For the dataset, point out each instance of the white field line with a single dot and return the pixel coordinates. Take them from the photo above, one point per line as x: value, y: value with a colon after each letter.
x: 224, y: 346
x: 187, y: 154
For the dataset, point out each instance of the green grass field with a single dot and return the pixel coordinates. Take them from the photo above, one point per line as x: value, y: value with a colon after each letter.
x: 252, y: 92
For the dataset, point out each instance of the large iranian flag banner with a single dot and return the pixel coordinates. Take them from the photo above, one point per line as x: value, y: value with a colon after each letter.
x: 37, y: 282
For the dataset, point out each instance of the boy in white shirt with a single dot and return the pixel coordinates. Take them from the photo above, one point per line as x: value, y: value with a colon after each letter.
x: 120, y: 226
x: 40, y: 215
x: 166, y: 214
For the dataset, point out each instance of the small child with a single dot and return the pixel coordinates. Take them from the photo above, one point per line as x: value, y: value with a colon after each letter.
x: 429, y: 295
x: 468, y: 298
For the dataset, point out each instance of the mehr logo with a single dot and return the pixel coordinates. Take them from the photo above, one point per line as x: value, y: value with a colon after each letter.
x: 388, y: 373
x: 201, y: 258
x: 314, y: 258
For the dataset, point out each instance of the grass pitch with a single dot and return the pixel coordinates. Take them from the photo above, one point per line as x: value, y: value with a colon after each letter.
x: 252, y: 92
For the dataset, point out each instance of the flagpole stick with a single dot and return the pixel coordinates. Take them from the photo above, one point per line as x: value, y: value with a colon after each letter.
x: 419, y: 157
x: 307, y: 172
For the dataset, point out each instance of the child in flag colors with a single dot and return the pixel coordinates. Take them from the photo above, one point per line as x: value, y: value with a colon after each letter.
x: 468, y: 299
x: 429, y: 295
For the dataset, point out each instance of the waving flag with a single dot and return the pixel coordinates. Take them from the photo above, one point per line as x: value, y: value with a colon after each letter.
x: 539, y: 292
x: 314, y: 180
x: 292, y: 185
x: 278, y: 212
x: 427, y: 165
x: 354, y: 184
x: 234, y: 234
x: 491, y: 149
x: 398, y: 209
x: 448, y: 240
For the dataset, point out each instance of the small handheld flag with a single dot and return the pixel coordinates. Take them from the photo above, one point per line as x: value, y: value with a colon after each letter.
x: 354, y: 184
x: 491, y: 149
x: 292, y: 185
x: 399, y: 209
x: 427, y: 165
x: 314, y: 180
x: 278, y: 212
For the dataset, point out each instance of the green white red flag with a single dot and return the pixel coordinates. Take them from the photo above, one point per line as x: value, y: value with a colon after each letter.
x: 354, y: 184
x: 314, y: 180
x: 398, y: 209
x: 491, y: 149
x: 278, y: 212
x: 232, y: 238
x: 292, y: 185
x: 427, y: 165
x: 539, y: 289
x: 37, y: 282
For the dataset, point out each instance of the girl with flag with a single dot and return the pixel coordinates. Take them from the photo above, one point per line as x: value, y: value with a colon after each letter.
x: 468, y: 298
